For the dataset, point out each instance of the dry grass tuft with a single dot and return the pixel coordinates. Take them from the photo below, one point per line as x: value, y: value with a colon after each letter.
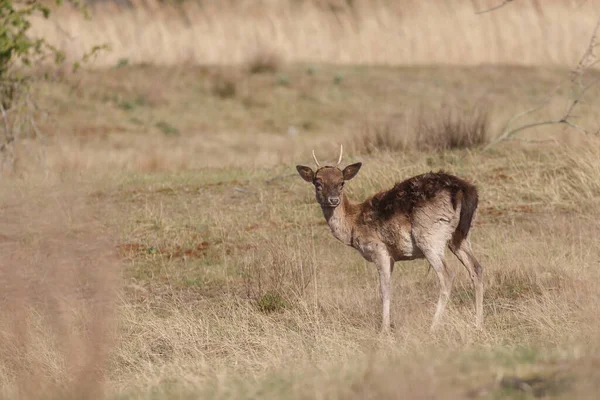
x: 391, y: 134
x: 272, y: 271
x: 264, y: 61
x: 452, y: 128
x: 447, y: 128
x: 224, y: 83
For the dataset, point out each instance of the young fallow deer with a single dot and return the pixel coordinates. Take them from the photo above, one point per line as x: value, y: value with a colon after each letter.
x: 417, y: 218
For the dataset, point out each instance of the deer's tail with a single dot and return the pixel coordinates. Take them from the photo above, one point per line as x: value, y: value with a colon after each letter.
x: 469, y: 199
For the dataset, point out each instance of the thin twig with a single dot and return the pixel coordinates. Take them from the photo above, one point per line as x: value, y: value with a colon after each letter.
x: 576, y: 75
x: 579, y: 98
x: 551, y: 140
x: 8, y: 137
x: 505, y: 2
x: 507, y: 132
x: 5, y: 120
x: 588, y: 59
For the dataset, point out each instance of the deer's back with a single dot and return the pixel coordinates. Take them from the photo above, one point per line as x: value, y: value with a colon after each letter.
x: 418, y: 212
x: 419, y: 191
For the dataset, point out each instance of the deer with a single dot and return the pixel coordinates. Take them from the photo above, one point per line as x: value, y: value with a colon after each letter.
x: 417, y: 218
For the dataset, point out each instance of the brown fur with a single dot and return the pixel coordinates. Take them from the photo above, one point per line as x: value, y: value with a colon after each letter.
x: 418, y: 217
x: 415, y: 191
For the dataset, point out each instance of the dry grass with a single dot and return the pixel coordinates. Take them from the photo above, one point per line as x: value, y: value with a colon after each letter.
x: 408, y: 32
x: 442, y: 129
x: 449, y: 129
x: 224, y: 84
x: 270, y: 296
x: 392, y: 134
x: 264, y: 61
x: 59, y: 291
x: 232, y: 284
x: 168, y: 119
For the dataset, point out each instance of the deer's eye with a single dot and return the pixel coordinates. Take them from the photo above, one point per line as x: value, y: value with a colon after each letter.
x: 319, y: 186
x: 341, y: 185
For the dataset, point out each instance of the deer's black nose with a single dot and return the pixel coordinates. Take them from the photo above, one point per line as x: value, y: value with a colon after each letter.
x: 334, y: 201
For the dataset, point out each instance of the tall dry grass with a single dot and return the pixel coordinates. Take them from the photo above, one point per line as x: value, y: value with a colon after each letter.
x: 447, y: 128
x: 525, y: 32
x: 60, y: 286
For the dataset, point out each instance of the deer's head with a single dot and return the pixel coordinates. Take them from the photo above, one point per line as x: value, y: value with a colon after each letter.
x: 329, y: 180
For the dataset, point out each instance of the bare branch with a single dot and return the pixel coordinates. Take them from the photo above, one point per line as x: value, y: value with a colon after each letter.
x: 589, y: 58
x: 505, y: 2
x: 572, y: 125
x: 576, y: 78
x: 531, y: 125
x: 5, y: 148
x: 5, y: 120
x: 507, y: 133
x: 551, y: 140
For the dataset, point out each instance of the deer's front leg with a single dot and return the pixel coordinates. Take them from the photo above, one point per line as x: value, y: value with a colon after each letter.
x: 384, y: 268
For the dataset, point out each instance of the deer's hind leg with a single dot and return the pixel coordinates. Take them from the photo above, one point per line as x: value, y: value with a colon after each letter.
x: 432, y: 232
x: 465, y: 255
x: 446, y: 278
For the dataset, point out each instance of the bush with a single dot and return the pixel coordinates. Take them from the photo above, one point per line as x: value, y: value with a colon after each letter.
x: 445, y: 129
x: 283, y: 80
x: 18, y: 48
x: 382, y: 135
x: 452, y: 129
x: 263, y: 62
x: 167, y: 129
x: 224, y: 84
x: 271, y: 302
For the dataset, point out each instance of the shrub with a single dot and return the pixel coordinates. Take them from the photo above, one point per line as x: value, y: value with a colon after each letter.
x: 167, y: 129
x: 338, y: 78
x: 452, y: 129
x: 283, y: 80
x: 263, y: 62
x: 382, y: 135
x: 271, y: 302
x: 224, y: 84
x: 445, y: 129
x: 18, y: 48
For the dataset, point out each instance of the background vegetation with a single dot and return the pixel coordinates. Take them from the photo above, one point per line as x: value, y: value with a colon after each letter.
x: 374, y: 32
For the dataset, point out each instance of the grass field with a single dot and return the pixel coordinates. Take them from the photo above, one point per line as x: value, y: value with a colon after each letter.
x: 168, y: 249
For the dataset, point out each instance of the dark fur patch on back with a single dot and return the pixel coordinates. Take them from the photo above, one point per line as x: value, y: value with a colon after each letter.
x: 411, y: 193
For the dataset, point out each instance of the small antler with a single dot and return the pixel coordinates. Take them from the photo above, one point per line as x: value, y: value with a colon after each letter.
x: 316, y: 161
x: 341, y: 152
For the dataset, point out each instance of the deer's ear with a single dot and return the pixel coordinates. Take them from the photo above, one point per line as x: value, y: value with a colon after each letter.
x: 351, y: 170
x: 306, y: 173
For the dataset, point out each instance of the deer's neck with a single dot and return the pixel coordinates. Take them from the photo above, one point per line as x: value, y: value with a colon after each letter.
x: 341, y: 220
